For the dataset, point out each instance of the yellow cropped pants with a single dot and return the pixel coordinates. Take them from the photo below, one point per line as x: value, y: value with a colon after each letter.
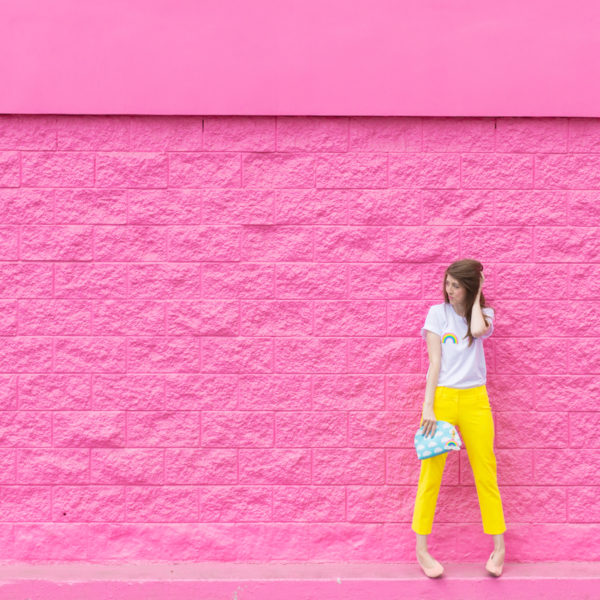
x: 469, y: 410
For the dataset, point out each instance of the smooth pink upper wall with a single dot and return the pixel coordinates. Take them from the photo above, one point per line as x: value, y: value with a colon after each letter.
x: 268, y: 57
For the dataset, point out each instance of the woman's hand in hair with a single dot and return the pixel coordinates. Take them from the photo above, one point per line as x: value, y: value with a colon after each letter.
x: 481, y: 280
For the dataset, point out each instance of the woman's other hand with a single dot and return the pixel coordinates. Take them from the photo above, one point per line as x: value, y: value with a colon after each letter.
x: 429, y: 422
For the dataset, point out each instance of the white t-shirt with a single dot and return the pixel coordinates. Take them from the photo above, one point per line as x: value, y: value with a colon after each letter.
x: 462, y: 367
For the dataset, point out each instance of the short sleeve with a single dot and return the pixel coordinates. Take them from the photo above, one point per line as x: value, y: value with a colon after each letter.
x: 489, y: 315
x: 432, y: 323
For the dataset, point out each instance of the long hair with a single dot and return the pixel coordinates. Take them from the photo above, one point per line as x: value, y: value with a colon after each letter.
x: 468, y: 273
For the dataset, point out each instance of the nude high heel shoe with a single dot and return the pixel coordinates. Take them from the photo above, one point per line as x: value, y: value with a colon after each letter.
x: 493, y: 569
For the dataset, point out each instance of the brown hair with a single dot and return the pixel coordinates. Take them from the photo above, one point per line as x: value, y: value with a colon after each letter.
x: 468, y: 274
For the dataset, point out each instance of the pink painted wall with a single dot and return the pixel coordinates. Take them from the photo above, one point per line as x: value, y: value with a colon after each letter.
x: 267, y: 57
x: 210, y: 333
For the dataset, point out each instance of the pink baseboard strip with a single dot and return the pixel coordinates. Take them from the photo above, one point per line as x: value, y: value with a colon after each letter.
x: 293, y: 581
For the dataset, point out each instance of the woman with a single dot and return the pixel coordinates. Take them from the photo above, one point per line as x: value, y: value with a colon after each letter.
x: 456, y: 392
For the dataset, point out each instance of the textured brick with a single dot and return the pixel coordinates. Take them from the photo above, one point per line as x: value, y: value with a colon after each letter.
x: 566, y: 467
x: 25, y: 354
x: 383, y: 281
x: 311, y: 280
x: 53, y: 465
x: 200, y: 392
x: 350, y: 244
x: 150, y: 132
x: 127, y: 466
x: 388, y: 134
x: 458, y: 207
x: 57, y: 169
x: 245, y: 355
x: 91, y: 280
x: 46, y: 542
x: 31, y: 428
x: 231, y: 280
x: 343, y: 466
x: 55, y: 317
x: 8, y: 392
x: 26, y: 503
x: 88, y: 429
x: 334, y: 317
x: 313, y: 207
x: 215, y: 317
x: 424, y: 170
x: 502, y: 244
x: 566, y: 392
x: 26, y: 206
x: 322, y: 428
x: 131, y: 243
x: 383, y: 355
x: 351, y: 170
x: 86, y: 352
x: 312, y: 134
x: 275, y: 317
x: 237, y: 429
x: 160, y: 354
x: 383, y: 207
x: 8, y: 317
x: 274, y: 392
x: 584, y: 208
x: 167, y: 280
x: 204, y: 169
x: 348, y: 392
x: 130, y: 317
x: 309, y: 503
x: 164, y: 207
x: 412, y: 244
x: 234, y: 503
x: 380, y: 503
x: 531, y: 207
x: 135, y: 170
x: 127, y: 391
x: 162, y: 504
x: 210, y: 243
x: 531, y: 135
x: 275, y: 465
x: 165, y: 428
x: 88, y: 503
x: 52, y: 391
x: 91, y: 206
x: 92, y: 132
x: 10, y: 164
x: 278, y: 170
x: 28, y: 132
x: 243, y: 133
x: 312, y: 355
x: 59, y: 242
x: 576, y: 171
x: 497, y: 171
x: 241, y: 207
x: 567, y: 244
x: 201, y: 466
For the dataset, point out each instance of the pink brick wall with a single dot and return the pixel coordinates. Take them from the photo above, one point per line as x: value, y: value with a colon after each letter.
x: 210, y: 333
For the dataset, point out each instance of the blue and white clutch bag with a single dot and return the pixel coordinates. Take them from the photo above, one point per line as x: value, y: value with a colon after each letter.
x: 446, y: 438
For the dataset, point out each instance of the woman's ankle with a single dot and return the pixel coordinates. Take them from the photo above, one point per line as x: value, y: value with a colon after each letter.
x: 421, y: 544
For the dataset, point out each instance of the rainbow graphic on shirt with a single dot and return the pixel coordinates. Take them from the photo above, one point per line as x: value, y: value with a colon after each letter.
x: 449, y: 337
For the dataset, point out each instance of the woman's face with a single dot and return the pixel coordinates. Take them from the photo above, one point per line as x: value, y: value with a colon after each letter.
x: 456, y: 293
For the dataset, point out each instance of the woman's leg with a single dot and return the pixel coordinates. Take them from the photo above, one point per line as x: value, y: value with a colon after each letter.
x: 477, y: 429
x: 430, y: 478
